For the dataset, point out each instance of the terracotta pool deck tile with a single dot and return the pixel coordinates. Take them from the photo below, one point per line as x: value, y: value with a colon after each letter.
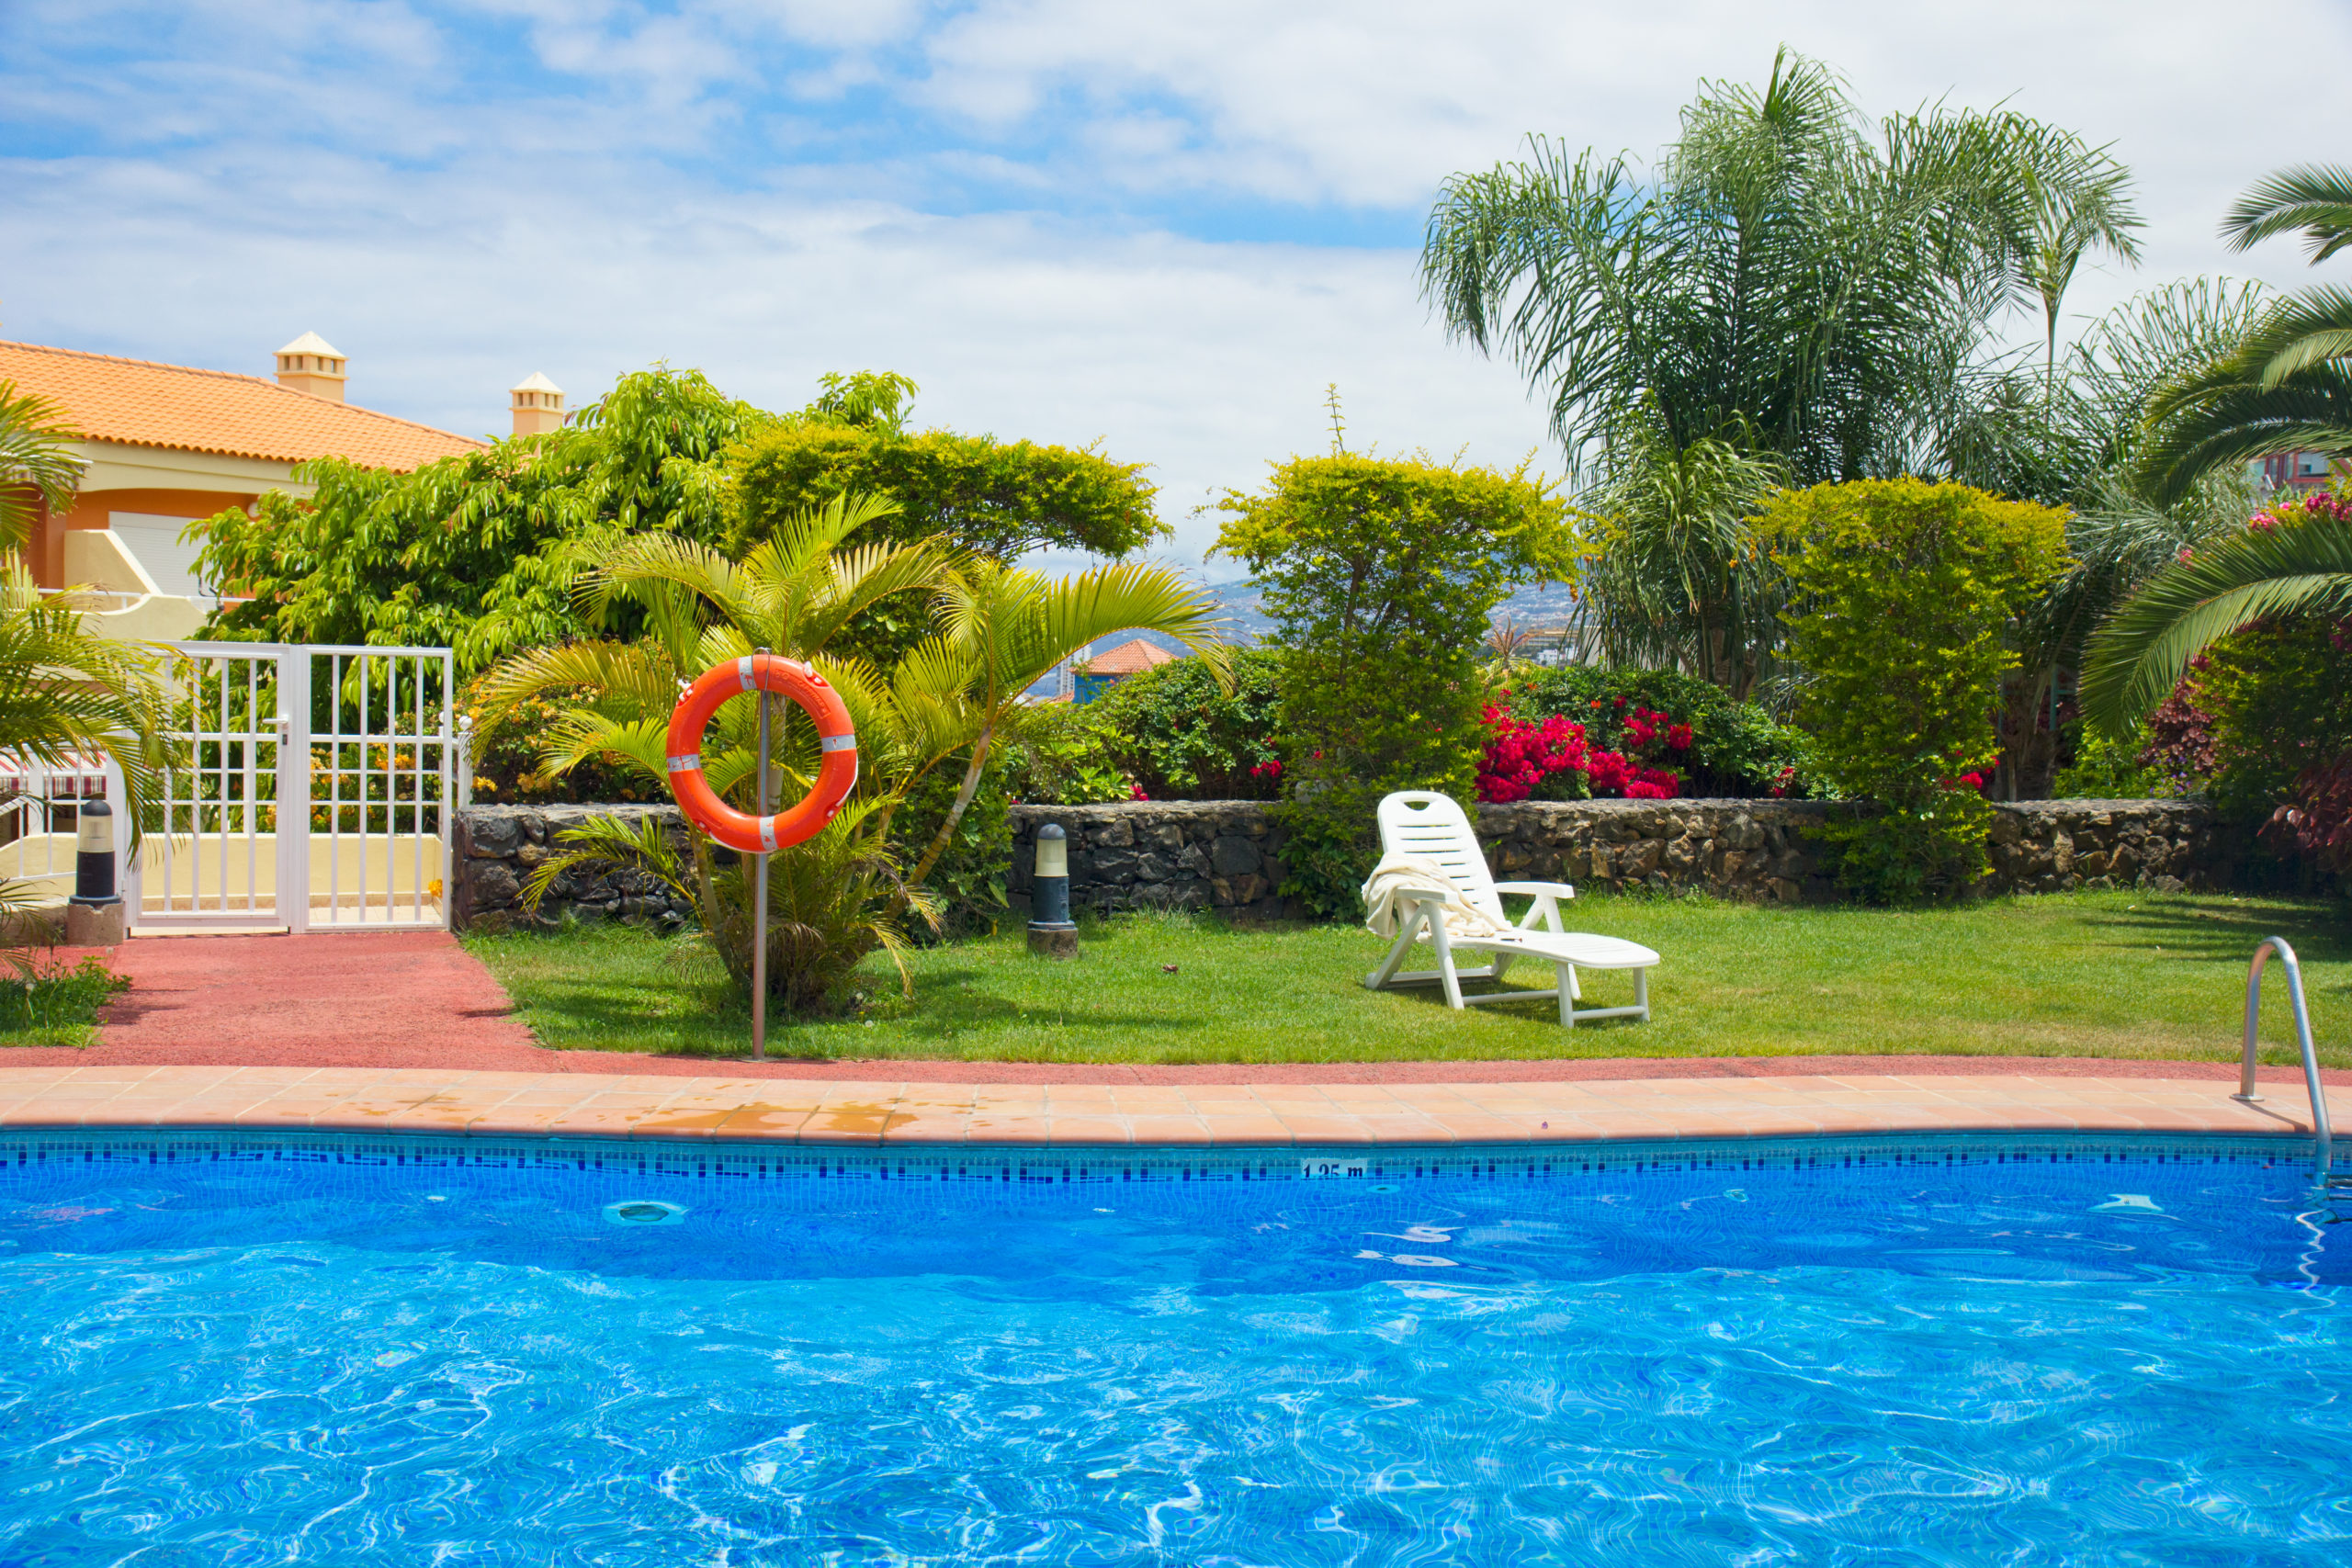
x: 1239, y: 1132
x: 1479, y: 1127
x: 1087, y: 1132
x: 501, y: 1121
x: 1020, y: 1132
x: 860, y: 1131
x: 1152, y: 1100
x: 605, y: 1116
x: 1165, y: 1129
x: 1337, y: 1130
x: 867, y: 1111
x: 57, y: 1111
x: 933, y: 1130
x: 1010, y: 1100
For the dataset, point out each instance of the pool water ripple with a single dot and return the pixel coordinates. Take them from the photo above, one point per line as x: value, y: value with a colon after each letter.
x: 264, y: 1363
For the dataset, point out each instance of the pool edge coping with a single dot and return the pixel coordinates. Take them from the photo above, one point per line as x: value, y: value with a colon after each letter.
x: 882, y: 1112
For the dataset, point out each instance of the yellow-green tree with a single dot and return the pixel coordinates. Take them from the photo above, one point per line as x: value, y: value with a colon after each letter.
x: 1380, y: 574
x: 1904, y: 599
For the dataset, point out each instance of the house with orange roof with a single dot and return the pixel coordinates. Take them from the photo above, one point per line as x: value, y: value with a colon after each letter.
x: 1107, y: 668
x: 164, y: 444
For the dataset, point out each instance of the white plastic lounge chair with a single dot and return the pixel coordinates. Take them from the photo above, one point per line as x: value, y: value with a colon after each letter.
x: 1432, y: 828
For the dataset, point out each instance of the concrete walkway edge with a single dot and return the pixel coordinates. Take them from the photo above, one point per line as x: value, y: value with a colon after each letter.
x: 896, y: 1112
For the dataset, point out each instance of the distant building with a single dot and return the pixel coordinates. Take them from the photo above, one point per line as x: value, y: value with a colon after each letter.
x: 2299, y: 472
x: 1098, y: 674
x: 166, y: 444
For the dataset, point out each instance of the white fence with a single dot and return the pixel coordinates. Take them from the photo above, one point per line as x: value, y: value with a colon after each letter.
x: 313, y: 789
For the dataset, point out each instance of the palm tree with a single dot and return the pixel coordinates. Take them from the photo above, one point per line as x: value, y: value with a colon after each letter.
x: 1678, y: 580
x: 956, y: 694
x: 2287, y: 385
x: 1003, y: 629
x: 1785, y: 270
x: 2299, y: 563
x: 36, y: 456
x: 66, y: 692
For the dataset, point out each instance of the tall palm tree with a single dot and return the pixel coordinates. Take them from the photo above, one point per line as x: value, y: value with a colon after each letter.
x: 2299, y: 563
x: 1787, y: 267
x: 2287, y: 384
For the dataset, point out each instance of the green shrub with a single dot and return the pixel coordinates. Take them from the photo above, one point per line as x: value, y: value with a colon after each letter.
x: 1063, y: 756
x: 2104, y: 769
x: 54, y: 1003
x: 967, y: 880
x: 2281, y: 694
x: 1738, y: 750
x: 1380, y: 575
x: 1179, y: 737
x: 1904, y: 593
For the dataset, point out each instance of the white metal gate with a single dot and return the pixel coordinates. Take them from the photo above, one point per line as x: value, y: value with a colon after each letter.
x: 314, y: 790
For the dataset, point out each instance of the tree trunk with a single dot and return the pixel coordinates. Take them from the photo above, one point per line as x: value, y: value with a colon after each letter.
x: 963, y: 793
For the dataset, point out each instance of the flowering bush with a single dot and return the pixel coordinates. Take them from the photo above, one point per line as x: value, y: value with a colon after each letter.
x: 2317, y: 823
x: 1556, y: 759
x: 1733, y: 750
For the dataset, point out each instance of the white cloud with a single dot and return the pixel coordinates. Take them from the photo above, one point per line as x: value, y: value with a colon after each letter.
x: 454, y: 222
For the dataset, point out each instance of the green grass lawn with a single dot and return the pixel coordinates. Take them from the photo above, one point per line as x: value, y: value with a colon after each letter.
x: 2116, y: 975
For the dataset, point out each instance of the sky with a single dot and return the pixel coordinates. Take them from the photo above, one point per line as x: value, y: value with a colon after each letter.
x: 1164, y: 227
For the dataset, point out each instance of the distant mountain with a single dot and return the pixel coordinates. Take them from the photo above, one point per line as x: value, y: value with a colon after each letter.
x: 1531, y: 609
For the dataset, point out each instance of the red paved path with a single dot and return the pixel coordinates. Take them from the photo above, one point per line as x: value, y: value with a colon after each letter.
x: 419, y: 1000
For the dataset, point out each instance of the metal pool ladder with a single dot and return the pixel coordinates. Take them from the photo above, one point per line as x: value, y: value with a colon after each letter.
x: 2320, y: 1133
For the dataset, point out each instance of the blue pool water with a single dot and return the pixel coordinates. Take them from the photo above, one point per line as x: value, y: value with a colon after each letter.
x: 226, y: 1349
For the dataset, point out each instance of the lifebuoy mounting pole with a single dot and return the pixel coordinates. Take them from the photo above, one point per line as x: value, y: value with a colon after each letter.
x: 760, y: 899
x: 762, y: 835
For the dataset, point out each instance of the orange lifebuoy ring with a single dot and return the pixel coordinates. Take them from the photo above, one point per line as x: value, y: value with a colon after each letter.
x: 836, y: 774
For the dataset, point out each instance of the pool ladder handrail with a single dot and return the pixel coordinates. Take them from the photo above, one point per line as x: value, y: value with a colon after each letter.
x: 2321, y: 1135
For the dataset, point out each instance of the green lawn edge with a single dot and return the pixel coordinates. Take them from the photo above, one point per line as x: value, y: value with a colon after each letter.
x: 2119, y: 975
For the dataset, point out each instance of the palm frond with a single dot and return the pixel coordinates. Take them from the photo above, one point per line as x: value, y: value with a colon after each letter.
x: 2139, y: 656
x: 643, y: 845
x: 2313, y: 198
x: 36, y: 456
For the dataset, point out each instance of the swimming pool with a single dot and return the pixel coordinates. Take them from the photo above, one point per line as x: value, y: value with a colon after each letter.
x: 230, y: 1349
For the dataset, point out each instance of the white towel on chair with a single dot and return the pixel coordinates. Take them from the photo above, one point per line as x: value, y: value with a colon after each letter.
x: 1383, y: 909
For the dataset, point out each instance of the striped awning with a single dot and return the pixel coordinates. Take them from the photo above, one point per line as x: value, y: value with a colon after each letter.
x: 79, y: 775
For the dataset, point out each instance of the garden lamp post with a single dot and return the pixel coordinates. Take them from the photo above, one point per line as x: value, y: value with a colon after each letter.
x: 94, y: 916
x: 1051, y: 932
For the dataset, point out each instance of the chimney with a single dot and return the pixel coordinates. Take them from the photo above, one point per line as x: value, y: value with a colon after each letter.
x: 310, y: 364
x: 539, y: 405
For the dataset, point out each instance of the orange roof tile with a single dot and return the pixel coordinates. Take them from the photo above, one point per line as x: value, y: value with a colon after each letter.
x: 138, y: 402
x: 1129, y: 659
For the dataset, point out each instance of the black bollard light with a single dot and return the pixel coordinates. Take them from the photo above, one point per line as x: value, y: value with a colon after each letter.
x: 94, y: 916
x: 1052, y: 934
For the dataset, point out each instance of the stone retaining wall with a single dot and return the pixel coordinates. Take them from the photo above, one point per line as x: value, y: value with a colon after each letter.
x: 494, y: 847
x: 1227, y: 855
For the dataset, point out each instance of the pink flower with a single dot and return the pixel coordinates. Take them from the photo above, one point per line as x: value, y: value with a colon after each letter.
x: 2186, y: 555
